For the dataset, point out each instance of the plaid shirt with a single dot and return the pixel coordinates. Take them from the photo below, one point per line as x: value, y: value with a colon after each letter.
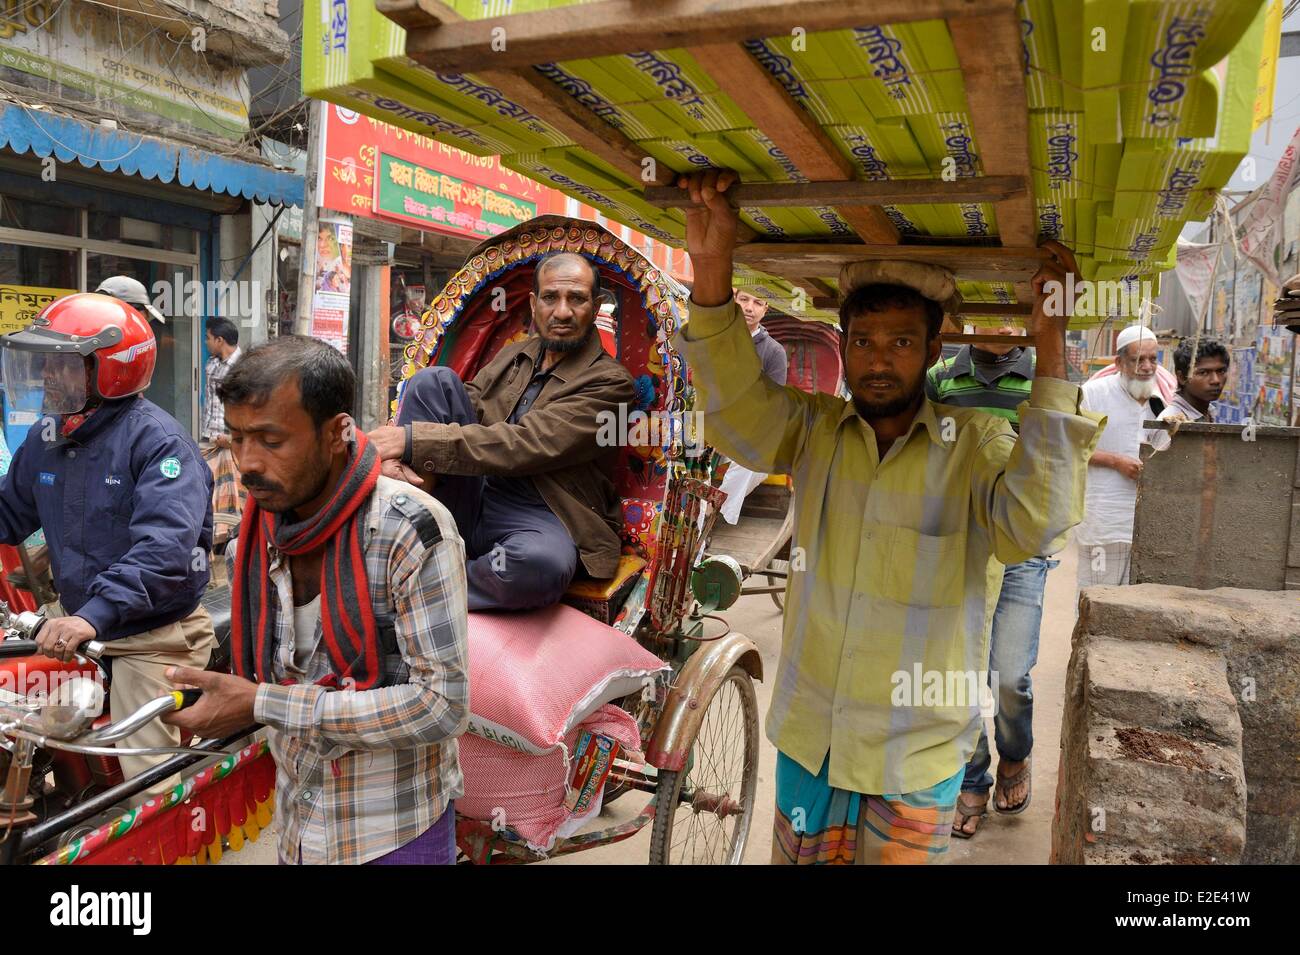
x: 361, y: 773
x: 214, y: 412
x: 900, y: 572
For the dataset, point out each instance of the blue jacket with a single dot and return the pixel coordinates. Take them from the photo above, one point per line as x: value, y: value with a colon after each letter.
x: 126, y: 503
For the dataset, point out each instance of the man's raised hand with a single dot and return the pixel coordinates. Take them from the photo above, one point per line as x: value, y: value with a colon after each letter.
x: 1051, y: 285
x: 711, y: 224
x: 1053, y: 273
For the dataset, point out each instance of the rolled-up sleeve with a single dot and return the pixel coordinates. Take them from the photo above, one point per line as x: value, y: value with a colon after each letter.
x: 747, y: 416
x: 1028, y: 492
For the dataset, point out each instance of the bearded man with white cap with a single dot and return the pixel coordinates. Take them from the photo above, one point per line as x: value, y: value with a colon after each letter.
x: 907, y: 511
x: 1127, y: 398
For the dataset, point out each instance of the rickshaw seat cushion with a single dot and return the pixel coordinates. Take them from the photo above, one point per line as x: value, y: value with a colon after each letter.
x: 540, y: 673
x: 603, y: 588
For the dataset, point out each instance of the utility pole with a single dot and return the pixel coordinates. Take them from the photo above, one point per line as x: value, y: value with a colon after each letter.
x: 310, y: 216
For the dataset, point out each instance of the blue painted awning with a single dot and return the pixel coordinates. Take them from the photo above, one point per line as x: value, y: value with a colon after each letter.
x: 113, y: 150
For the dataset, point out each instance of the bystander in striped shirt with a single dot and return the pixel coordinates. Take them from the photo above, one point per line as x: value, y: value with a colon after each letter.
x: 997, y: 385
x: 214, y: 412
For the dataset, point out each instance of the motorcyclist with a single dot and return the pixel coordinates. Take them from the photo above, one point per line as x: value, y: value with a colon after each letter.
x: 124, y: 498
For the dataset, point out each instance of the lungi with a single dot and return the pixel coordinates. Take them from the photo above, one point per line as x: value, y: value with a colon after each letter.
x: 817, y: 824
x: 228, y: 494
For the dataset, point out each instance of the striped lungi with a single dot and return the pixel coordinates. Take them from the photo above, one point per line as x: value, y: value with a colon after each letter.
x: 817, y: 824
x: 228, y: 494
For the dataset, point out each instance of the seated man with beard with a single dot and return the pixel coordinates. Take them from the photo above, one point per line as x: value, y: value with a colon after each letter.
x: 514, y: 454
x: 1105, y: 536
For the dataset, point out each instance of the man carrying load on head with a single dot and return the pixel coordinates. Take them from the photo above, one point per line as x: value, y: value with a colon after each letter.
x: 906, y: 515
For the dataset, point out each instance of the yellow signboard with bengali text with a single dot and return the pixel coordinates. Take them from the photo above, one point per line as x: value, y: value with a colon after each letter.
x: 19, y: 304
x: 1267, y: 86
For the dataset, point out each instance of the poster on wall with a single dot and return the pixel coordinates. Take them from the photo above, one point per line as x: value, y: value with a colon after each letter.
x: 1273, y: 375
x: 1245, y: 303
x: 332, y: 289
x: 1238, y: 390
x: 372, y: 169
x: 1221, y: 300
x: 1295, y: 390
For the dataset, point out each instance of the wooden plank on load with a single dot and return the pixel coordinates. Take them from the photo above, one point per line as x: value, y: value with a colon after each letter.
x: 991, y: 54
x: 791, y: 129
x: 588, y: 131
x: 541, y: 97
x: 996, y: 308
x: 615, y: 27
x: 882, y: 192
x: 973, y: 263
x: 414, y: 14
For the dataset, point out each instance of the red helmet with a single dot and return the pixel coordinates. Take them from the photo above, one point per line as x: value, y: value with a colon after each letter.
x: 113, y: 335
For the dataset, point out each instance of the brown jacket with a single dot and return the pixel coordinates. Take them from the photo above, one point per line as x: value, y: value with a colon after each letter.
x: 554, y: 443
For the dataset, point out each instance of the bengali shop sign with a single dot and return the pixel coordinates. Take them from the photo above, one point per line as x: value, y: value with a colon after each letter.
x: 427, y: 198
x: 19, y: 304
x: 462, y: 194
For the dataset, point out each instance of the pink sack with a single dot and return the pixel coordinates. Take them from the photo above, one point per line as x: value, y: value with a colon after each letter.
x: 524, y: 794
x: 535, y: 676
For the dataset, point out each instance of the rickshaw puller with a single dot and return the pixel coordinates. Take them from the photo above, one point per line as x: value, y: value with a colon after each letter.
x: 348, y: 625
x: 904, y: 515
x: 123, y: 496
x: 515, y: 453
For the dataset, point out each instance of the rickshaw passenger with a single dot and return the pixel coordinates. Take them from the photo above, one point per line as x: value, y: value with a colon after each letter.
x: 515, y: 453
x: 904, y: 513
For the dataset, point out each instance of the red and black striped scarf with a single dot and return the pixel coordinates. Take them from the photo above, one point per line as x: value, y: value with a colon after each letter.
x: 347, y: 620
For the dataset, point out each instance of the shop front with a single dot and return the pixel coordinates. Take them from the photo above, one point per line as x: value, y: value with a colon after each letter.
x: 67, y: 235
x: 126, y: 149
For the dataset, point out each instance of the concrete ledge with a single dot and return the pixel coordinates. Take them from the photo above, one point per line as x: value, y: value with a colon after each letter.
x: 1180, y: 722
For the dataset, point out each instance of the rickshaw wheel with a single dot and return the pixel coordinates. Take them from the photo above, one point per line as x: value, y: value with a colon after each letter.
x: 776, y: 598
x: 703, y: 813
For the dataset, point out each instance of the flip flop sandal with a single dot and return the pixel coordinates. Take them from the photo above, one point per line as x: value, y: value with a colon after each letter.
x: 1004, y: 784
x: 966, y: 812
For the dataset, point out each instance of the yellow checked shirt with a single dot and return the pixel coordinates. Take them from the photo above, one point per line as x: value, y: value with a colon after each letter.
x: 900, y: 557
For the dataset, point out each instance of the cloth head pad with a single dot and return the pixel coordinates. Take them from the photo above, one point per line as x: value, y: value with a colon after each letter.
x: 931, y: 281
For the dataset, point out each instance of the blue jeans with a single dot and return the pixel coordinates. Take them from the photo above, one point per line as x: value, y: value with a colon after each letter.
x: 1013, y: 651
x: 518, y: 555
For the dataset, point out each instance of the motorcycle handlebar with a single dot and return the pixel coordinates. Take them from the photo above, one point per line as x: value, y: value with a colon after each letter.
x: 13, y: 649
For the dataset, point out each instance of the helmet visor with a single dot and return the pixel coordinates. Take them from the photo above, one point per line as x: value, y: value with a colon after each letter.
x: 43, y: 383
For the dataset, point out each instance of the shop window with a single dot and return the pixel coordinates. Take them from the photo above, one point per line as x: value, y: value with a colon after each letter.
x: 173, y: 387
x: 39, y: 216
x: 29, y: 265
x: 150, y: 235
